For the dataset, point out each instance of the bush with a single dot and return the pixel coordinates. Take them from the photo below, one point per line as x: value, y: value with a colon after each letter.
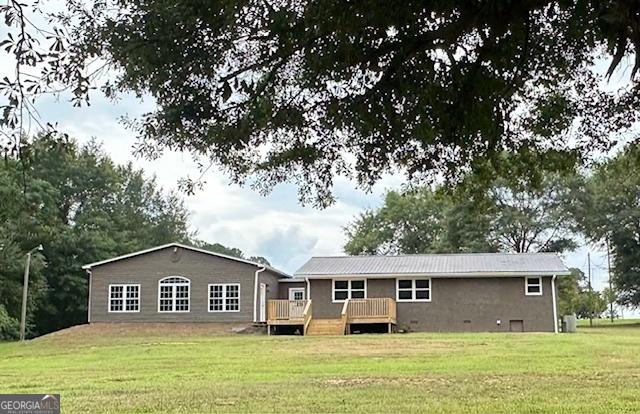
x: 9, y: 327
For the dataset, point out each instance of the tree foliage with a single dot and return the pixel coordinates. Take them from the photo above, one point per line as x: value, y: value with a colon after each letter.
x: 418, y: 221
x: 305, y: 90
x: 609, y: 211
x: 229, y: 251
x: 576, y: 297
x: 511, y: 213
x: 82, y: 208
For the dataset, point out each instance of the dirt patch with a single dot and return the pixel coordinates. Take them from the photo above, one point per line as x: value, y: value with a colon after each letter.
x: 156, y: 329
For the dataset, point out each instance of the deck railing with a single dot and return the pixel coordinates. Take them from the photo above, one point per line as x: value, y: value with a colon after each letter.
x: 306, y: 315
x: 373, y: 308
x: 286, y: 309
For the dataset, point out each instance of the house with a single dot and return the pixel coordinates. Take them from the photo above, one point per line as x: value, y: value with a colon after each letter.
x: 179, y: 283
x: 490, y: 292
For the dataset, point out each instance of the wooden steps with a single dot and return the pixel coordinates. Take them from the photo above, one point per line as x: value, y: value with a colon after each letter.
x: 319, y: 327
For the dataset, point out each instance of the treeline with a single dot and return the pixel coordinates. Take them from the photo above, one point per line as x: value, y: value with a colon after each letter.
x: 506, y: 206
x: 82, y: 207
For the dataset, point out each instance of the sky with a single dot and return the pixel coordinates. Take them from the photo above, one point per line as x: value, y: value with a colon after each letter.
x: 275, y: 226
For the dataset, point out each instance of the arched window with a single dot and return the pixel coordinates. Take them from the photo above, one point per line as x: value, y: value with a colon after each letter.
x: 173, y: 294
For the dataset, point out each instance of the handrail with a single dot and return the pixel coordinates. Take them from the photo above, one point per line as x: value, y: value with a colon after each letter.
x: 372, y: 308
x: 286, y: 309
x: 345, y: 315
x: 307, y: 314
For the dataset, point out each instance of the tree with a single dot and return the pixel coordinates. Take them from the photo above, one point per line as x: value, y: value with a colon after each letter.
x: 531, y: 219
x: 514, y: 212
x: 229, y: 251
x: 591, y: 305
x: 575, y: 296
x: 609, y: 210
x: 305, y: 90
x: 569, y: 290
x: 418, y: 221
x: 82, y: 208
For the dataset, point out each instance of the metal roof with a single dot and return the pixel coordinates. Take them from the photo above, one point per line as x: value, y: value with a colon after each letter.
x: 473, y: 264
x: 183, y: 246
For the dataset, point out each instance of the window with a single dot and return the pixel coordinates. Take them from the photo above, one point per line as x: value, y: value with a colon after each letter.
x: 349, y: 289
x: 533, y: 286
x: 124, y: 298
x: 224, y: 298
x: 173, y: 294
x: 413, y: 290
x: 296, y: 293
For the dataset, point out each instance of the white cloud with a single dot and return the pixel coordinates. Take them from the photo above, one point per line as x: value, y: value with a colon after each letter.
x: 274, y: 226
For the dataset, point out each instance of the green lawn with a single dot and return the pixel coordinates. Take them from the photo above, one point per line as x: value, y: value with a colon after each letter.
x: 594, y: 371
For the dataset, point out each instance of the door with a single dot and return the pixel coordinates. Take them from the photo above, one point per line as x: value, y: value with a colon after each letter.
x: 516, y: 326
x: 263, y: 302
x: 296, y: 306
x: 296, y: 293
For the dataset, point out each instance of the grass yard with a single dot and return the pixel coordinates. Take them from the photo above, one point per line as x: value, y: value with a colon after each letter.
x: 594, y: 371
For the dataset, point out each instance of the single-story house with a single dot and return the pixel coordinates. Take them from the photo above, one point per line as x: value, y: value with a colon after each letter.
x: 330, y: 295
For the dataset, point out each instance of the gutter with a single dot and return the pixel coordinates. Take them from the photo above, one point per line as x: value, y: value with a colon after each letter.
x: 255, y: 293
x: 555, y: 307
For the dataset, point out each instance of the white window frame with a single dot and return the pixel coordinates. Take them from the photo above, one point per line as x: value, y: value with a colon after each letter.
x: 224, y: 297
x: 173, y: 293
x: 348, y: 290
x: 527, y: 284
x: 293, y: 291
x: 413, y: 289
x: 124, y: 298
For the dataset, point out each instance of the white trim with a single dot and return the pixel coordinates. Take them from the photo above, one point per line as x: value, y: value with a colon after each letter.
x: 349, y: 289
x: 263, y: 303
x: 224, y: 297
x: 173, y: 294
x: 413, y: 289
x: 527, y: 284
x: 124, y: 297
x: 555, y: 308
x: 297, y: 289
x: 182, y: 246
x: 89, y: 300
x: 255, y: 293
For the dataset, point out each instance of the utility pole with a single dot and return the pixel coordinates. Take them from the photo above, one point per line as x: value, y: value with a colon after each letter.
x: 610, y: 284
x: 590, y: 287
x: 25, y: 290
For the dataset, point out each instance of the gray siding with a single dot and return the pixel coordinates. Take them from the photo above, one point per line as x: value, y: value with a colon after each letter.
x: 481, y: 301
x: 271, y: 280
x: 285, y: 286
x: 202, y: 269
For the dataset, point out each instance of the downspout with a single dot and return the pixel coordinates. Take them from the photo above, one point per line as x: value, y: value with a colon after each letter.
x: 89, y: 301
x: 255, y: 294
x: 308, y: 295
x: 555, y: 307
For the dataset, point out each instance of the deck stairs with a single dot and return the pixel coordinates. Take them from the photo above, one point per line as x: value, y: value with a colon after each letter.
x: 322, y: 327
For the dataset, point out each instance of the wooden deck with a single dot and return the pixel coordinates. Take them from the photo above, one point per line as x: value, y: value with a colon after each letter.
x: 354, y: 311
